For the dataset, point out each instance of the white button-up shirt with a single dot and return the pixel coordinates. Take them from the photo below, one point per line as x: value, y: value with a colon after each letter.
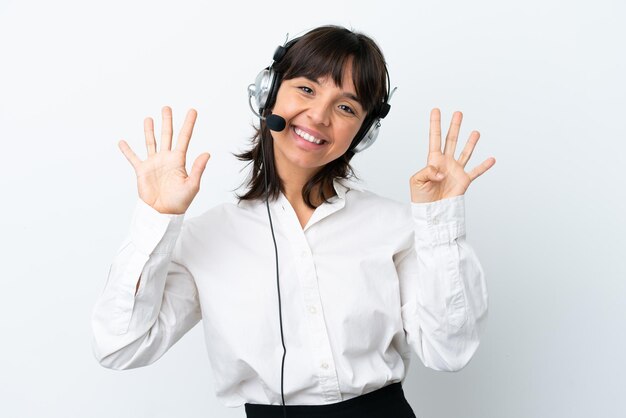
x: 366, y: 282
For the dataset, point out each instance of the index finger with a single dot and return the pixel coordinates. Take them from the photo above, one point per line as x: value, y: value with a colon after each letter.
x: 434, y: 143
x: 184, y: 136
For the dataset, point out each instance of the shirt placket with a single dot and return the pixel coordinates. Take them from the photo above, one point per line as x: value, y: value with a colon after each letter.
x: 307, y: 276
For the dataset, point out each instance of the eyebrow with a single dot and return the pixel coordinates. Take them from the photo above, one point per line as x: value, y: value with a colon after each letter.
x: 344, y: 94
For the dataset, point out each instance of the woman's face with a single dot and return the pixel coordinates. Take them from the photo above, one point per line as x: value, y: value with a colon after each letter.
x: 315, y: 110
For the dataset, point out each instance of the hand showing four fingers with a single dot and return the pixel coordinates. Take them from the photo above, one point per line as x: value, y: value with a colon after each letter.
x: 425, y: 185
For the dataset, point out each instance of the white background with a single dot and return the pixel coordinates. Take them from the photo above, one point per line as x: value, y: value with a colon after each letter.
x: 542, y: 81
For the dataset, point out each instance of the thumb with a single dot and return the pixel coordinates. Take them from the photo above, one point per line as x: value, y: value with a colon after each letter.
x: 198, y: 167
x: 428, y: 173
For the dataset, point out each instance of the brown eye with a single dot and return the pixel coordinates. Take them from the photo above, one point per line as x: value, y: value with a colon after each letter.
x: 347, y: 109
x: 306, y: 89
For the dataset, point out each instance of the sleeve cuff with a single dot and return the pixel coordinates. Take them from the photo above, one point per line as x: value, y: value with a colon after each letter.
x: 438, y: 222
x: 152, y: 231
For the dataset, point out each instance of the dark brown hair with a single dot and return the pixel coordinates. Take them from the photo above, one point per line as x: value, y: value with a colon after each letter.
x: 323, y: 51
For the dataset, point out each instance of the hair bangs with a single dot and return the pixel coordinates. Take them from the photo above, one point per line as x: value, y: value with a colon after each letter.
x: 327, y: 54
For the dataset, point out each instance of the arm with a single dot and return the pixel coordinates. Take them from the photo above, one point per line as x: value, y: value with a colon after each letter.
x: 443, y: 289
x: 150, y: 299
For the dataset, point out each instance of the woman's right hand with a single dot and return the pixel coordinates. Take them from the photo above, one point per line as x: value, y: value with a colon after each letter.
x: 162, y: 180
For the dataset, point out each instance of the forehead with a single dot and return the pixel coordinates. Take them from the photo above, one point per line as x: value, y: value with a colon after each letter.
x: 315, y: 67
x: 327, y: 81
x: 347, y: 82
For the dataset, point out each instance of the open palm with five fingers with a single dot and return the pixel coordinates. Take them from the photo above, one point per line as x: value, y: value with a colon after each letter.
x: 162, y: 179
x: 425, y: 185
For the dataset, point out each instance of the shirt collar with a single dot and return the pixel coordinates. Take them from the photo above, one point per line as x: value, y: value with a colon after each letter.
x: 342, y: 185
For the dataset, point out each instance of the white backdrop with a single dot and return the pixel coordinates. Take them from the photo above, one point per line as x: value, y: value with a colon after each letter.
x: 541, y: 80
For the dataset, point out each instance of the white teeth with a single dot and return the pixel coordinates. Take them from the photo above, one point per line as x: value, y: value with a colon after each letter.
x: 307, y: 137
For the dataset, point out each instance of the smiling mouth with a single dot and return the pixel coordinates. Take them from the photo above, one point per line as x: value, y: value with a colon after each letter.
x: 307, y: 137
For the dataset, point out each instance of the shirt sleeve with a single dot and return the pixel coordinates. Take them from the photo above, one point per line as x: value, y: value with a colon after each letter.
x: 134, y: 330
x: 443, y: 289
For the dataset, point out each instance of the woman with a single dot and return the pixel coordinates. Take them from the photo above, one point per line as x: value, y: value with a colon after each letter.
x: 366, y: 280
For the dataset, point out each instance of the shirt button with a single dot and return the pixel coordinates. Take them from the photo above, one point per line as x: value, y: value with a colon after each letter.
x: 312, y: 309
x: 324, y: 365
x: 435, y: 220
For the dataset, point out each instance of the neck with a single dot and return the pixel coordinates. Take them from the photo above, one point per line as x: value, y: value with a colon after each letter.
x: 293, y: 186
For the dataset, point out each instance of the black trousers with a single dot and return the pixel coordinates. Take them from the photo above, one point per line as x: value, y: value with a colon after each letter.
x: 387, y: 402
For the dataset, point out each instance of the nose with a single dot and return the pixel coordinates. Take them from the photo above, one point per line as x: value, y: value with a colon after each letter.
x: 319, y: 112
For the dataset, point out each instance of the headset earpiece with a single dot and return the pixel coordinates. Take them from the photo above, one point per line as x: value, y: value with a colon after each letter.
x: 262, y: 88
x: 265, y: 86
x: 366, y: 136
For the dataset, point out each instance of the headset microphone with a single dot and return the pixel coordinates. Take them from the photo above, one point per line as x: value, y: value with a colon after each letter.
x: 275, y: 123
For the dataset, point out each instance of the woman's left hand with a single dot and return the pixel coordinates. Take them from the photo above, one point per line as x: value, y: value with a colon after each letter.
x: 425, y: 185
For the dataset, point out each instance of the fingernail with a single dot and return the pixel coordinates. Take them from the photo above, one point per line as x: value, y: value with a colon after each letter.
x: 439, y: 175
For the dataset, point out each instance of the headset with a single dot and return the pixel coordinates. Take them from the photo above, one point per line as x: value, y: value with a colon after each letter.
x: 264, y: 91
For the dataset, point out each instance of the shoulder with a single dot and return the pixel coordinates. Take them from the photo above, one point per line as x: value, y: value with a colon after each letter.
x: 380, y: 209
x: 220, y: 213
x: 378, y: 218
x: 359, y: 194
